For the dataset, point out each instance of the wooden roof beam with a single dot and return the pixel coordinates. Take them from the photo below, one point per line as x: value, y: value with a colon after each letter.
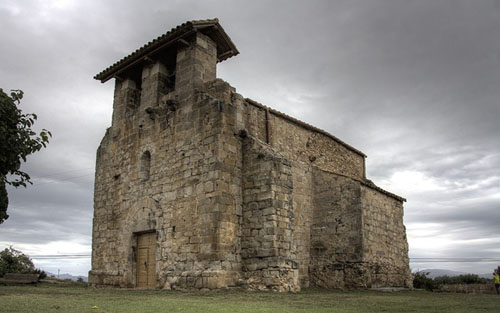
x: 149, y: 60
x: 183, y: 42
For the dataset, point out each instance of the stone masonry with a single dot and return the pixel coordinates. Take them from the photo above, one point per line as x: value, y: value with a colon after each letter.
x: 230, y: 193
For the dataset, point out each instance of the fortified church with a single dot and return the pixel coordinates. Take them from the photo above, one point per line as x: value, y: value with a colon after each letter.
x: 197, y: 187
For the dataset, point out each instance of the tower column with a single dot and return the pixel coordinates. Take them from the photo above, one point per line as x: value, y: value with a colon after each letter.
x: 196, y: 64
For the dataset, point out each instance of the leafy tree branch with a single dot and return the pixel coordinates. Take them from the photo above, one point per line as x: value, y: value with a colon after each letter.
x: 17, y: 141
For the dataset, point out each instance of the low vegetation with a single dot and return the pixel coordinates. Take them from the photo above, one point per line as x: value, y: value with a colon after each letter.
x: 77, y: 298
x: 462, y: 279
x: 422, y: 281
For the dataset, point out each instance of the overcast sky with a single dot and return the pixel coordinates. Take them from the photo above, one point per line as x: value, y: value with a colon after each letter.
x: 415, y: 85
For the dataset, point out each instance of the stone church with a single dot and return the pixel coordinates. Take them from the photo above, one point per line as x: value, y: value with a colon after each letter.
x: 197, y: 187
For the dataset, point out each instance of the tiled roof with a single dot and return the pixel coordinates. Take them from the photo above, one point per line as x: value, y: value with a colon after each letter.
x: 305, y: 125
x: 211, y: 28
x: 367, y: 183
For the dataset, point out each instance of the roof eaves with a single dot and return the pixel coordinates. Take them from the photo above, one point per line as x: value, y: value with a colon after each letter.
x: 305, y: 125
x: 233, y: 51
x: 367, y: 183
x: 130, y: 59
x: 166, y: 39
x: 385, y: 192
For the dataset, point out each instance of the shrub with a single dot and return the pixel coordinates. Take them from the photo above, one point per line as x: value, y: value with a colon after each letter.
x: 41, y: 273
x: 461, y: 279
x: 421, y: 281
x: 14, y: 261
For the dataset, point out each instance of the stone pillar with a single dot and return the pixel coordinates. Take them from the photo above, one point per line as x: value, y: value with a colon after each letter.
x: 126, y: 99
x: 196, y: 64
x: 154, y: 84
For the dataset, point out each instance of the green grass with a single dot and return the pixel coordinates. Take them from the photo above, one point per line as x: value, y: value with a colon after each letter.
x: 71, y: 298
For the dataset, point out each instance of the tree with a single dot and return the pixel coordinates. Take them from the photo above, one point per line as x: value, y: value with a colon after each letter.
x: 14, y: 261
x: 17, y: 141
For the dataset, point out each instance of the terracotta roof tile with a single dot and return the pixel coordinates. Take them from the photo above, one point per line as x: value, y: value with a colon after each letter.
x: 225, y: 47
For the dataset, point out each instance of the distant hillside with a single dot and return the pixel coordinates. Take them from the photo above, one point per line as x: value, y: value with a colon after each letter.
x: 68, y: 276
x: 435, y: 272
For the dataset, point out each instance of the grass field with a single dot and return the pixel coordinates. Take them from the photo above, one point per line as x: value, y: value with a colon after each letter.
x: 72, y: 298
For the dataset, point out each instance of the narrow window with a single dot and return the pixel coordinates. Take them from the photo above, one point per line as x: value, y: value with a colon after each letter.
x: 145, y: 165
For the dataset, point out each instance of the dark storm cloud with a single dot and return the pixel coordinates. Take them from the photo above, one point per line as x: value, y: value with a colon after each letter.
x: 413, y: 84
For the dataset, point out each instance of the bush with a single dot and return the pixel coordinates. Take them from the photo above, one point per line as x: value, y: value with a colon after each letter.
x: 41, y: 273
x: 421, y: 281
x: 14, y: 261
x: 461, y: 279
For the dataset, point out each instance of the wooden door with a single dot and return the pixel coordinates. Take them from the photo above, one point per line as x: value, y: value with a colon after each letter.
x: 146, y: 260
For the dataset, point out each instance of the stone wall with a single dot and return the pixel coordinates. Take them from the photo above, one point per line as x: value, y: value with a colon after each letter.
x: 305, y: 149
x: 237, y: 194
x: 300, y: 142
x: 268, y: 250
x: 385, y: 248
x: 186, y: 198
x: 336, y: 242
x: 329, y: 187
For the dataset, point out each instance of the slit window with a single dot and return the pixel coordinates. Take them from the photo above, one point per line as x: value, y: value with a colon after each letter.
x: 145, y: 167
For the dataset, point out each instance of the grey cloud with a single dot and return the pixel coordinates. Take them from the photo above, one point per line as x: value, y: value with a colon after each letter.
x: 414, y: 85
x: 471, y: 222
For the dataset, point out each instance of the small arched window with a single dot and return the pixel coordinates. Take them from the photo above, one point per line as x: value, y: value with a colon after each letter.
x: 145, y: 165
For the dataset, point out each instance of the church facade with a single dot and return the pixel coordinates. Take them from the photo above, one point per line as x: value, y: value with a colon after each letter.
x: 198, y: 187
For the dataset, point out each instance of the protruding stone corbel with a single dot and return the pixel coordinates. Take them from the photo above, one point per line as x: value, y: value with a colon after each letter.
x: 151, y: 112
